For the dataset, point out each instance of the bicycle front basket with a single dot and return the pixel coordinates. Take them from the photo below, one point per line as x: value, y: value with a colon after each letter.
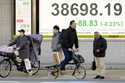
x: 80, y: 58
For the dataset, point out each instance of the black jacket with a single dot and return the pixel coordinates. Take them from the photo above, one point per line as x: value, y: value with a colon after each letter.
x: 100, y: 44
x: 70, y: 38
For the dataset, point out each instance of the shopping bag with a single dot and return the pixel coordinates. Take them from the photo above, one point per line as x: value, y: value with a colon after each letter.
x: 93, y: 67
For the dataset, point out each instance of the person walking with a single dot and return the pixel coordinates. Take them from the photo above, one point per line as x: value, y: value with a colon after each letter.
x: 99, y: 51
x: 56, y: 45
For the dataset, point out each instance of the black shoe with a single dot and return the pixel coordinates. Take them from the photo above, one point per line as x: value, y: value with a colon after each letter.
x: 19, y: 68
x: 53, y: 73
x: 102, y: 77
x: 97, y: 77
x: 62, y: 69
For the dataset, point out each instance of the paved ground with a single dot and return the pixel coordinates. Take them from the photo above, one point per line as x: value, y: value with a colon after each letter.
x: 43, y: 75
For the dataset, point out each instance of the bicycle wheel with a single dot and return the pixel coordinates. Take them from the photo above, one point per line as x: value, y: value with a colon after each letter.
x: 80, y: 72
x: 5, y: 68
x: 53, y: 71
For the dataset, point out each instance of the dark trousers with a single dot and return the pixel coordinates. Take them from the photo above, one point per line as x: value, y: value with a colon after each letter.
x: 68, y: 57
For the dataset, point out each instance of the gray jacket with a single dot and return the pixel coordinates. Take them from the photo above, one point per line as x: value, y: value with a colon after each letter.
x: 55, y: 45
x: 23, y: 44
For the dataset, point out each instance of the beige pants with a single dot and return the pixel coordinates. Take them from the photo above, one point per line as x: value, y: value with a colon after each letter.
x: 57, y: 57
x: 100, y: 66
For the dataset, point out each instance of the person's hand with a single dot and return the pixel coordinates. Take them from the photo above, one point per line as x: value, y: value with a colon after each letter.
x: 17, y: 49
x: 76, y: 50
x: 97, y: 50
x: 70, y: 49
x: 16, y: 53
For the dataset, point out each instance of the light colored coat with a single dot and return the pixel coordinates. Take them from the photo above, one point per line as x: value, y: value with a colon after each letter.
x: 55, y: 45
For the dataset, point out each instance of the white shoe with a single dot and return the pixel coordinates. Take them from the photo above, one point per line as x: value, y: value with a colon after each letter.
x: 30, y: 73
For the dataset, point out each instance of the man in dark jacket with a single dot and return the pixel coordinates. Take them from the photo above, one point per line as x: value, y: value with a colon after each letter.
x: 69, y: 41
x: 23, y: 47
x: 99, y: 50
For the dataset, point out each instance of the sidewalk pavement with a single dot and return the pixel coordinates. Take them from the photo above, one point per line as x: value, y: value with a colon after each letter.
x: 43, y: 75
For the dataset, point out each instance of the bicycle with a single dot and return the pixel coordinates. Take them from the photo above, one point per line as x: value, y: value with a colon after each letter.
x: 9, y: 60
x: 79, y: 71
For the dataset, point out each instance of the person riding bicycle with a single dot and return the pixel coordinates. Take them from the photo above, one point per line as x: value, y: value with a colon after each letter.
x: 22, y: 49
x: 68, y: 40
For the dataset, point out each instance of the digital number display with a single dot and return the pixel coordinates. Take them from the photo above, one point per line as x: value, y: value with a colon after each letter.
x: 84, y: 9
x: 105, y: 16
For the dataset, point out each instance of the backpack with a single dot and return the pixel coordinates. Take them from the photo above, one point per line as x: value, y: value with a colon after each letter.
x: 63, y: 36
x: 34, y: 38
x: 37, y: 38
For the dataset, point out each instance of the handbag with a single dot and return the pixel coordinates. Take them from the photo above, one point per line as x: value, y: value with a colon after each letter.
x: 93, y: 65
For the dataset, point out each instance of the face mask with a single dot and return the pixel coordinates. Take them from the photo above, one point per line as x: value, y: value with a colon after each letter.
x: 55, y: 31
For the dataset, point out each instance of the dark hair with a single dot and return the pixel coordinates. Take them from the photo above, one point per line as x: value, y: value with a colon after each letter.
x: 71, y: 22
x: 56, y: 27
x: 22, y: 30
x: 96, y: 32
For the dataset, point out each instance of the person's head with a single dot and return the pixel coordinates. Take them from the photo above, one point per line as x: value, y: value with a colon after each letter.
x: 73, y: 24
x: 97, y: 35
x: 21, y: 32
x: 56, y: 29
